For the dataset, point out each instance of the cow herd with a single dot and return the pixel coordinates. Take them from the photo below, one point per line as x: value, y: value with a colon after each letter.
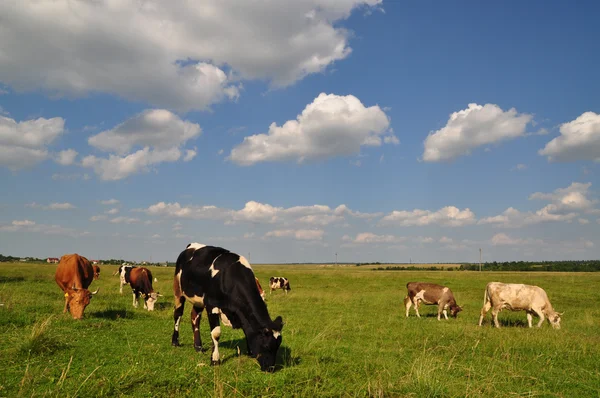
x: 224, y: 284
x: 513, y: 296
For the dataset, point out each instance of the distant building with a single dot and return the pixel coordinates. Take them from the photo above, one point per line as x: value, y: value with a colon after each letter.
x: 94, y: 262
x: 52, y: 260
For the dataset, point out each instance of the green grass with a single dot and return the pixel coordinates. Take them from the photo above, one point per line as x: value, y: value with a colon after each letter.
x: 345, y: 334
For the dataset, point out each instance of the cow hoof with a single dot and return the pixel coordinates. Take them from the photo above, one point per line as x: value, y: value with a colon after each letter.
x: 175, y: 343
x: 199, y: 348
x: 215, y: 363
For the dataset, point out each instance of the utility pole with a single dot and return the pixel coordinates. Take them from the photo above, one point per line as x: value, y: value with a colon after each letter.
x: 335, y: 258
x: 480, y: 259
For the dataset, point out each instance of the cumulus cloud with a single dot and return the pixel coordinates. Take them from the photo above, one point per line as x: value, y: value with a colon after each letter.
x: 578, y: 140
x: 112, y: 211
x: 331, y: 125
x: 513, y: 218
x: 448, y: 216
x: 51, y: 206
x: 66, y: 157
x: 109, y: 202
x: 25, y: 144
x: 186, y: 55
x: 299, y: 234
x: 574, y: 197
x: 471, y: 128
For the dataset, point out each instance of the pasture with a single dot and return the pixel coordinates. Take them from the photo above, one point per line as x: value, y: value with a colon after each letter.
x: 345, y: 334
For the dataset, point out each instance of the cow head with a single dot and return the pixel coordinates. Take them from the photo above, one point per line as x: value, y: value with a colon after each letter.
x: 265, y: 343
x: 151, y: 299
x: 96, y: 272
x: 454, y: 310
x: 78, y: 299
x: 554, y: 319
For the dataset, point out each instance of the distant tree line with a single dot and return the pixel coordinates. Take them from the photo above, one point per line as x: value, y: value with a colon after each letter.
x: 532, y: 266
x: 413, y: 268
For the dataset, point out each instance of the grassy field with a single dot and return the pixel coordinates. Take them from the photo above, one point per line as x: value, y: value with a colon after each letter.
x: 345, y: 334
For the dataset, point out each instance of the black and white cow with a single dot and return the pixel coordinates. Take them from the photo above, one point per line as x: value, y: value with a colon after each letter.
x: 124, y: 272
x: 279, y: 282
x: 223, y: 282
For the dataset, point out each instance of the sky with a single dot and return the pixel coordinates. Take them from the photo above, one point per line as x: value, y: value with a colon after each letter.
x: 322, y: 130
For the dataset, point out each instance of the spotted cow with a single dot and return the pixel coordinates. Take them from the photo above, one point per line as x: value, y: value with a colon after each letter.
x: 74, y: 275
x: 96, y: 272
x: 277, y: 282
x: 223, y: 282
x: 124, y: 271
x: 518, y: 297
x: 433, y: 294
x: 140, y: 280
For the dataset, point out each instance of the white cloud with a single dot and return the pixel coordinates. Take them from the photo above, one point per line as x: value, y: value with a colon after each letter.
x: 471, y: 128
x: 109, y: 202
x: 578, y: 140
x: 519, y: 167
x: 158, y: 132
x: 445, y: 239
x: 299, y: 234
x: 177, y: 226
x: 583, y: 221
x: 24, y: 144
x: 97, y: 218
x: 66, y: 157
x: 70, y: 177
x: 513, y: 218
x: 186, y: 55
x: 574, y: 197
x: 503, y: 239
x: 448, y: 216
x: 33, y: 227
x: 124, y: 220
x: 369, y: 237
x: 51, y: 206
x: 112, y: 211
x: 330, y: 126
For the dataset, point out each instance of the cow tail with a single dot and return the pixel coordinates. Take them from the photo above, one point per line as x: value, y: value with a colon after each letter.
x: 486, y: 296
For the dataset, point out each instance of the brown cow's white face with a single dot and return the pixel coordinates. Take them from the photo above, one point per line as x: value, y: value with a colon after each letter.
x: 152, y: 297
x: 555, y: 320
x: 78, y: 300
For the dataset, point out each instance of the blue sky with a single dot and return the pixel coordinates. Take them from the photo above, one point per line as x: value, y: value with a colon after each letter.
x: 383, y: 131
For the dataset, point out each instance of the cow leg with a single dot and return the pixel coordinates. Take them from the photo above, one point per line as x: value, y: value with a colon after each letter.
x: 121, y: 286
x: 495, y: 312
x: 135, y: 298
x: 407, y: 304
x: 416, y: 304
x: 542, y: 317
x: 215, y: 334
x: 66, y: 305
x: 177, y: 314
x: 486, y: 307
x: 196, y: 315
x: 529, y: 318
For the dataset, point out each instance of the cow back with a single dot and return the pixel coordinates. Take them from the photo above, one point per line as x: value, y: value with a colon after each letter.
x: 74, y: 270
x: 141, y: 279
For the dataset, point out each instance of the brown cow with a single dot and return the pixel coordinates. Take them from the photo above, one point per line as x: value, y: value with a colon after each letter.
x: 140, y: 280
x: 430, y: 293
x: 260, y: 290
x: 74, y: 275
x: 96, y: 272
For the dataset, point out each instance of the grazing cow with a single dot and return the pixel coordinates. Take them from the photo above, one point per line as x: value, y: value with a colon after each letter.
x: 140, y: 280
x: 124, y: 271
x: 430, y: 293
x: 518, y: 297
x: 223, y: 282
x: 276, y: 282
x: 260, y: 289
x: 96, y: 272
x: 74, y: 275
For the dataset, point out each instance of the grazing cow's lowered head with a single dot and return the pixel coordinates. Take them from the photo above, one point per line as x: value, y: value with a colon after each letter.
x: 140, y: 280
x: 265, y: 344
x: 74, y: 275
x: 96, y: 272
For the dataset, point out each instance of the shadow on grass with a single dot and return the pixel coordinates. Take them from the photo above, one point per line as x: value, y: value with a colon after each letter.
x: 11, y: 279
x: 111, y: 314
x: 284, y: 358
x: 162, y: 306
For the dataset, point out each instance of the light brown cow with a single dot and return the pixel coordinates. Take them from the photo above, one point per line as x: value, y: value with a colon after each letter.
x: 430, y: 293
x: 260, y: 289
x: 519, y: 297
x: 96, y: 272
x: 74, y: 275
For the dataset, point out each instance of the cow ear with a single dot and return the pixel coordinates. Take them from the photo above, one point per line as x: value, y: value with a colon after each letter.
x: 278, y: 324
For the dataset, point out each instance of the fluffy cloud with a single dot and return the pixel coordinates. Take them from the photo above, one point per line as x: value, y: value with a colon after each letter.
x: 578, y: 140
x: 156, y: 128
x: 24, y: 144
x: 369, y: 237
x: 66, y: 157
x: 186, y: 55
x: 330, y: 126
x: 574, y: 197
x: 471, y: 128
x: 112, y: 211
x: 513, y: 218
x: 448, y: 216
x: 33, y: 227
x: 51, y: 206
x: 299, y: 234
x: 158, y: 132
x: 97, y: 218
x: 124, y: 220
x: 503, y: 239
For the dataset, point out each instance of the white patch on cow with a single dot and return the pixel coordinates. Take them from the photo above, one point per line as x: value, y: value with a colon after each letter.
x: 135, y: 302
x: 213, y: 271
x: 216, y: 310
x: 244, y: 262
x: 195, y: 321
x: 276, y: 334
x: 214, y: 335
x: 196, y: 246
x: 177, y: 324
x: 445, y: 290
x: 225, y: 320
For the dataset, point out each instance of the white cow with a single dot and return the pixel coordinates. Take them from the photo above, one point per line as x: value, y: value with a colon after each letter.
x: 519, y: 297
